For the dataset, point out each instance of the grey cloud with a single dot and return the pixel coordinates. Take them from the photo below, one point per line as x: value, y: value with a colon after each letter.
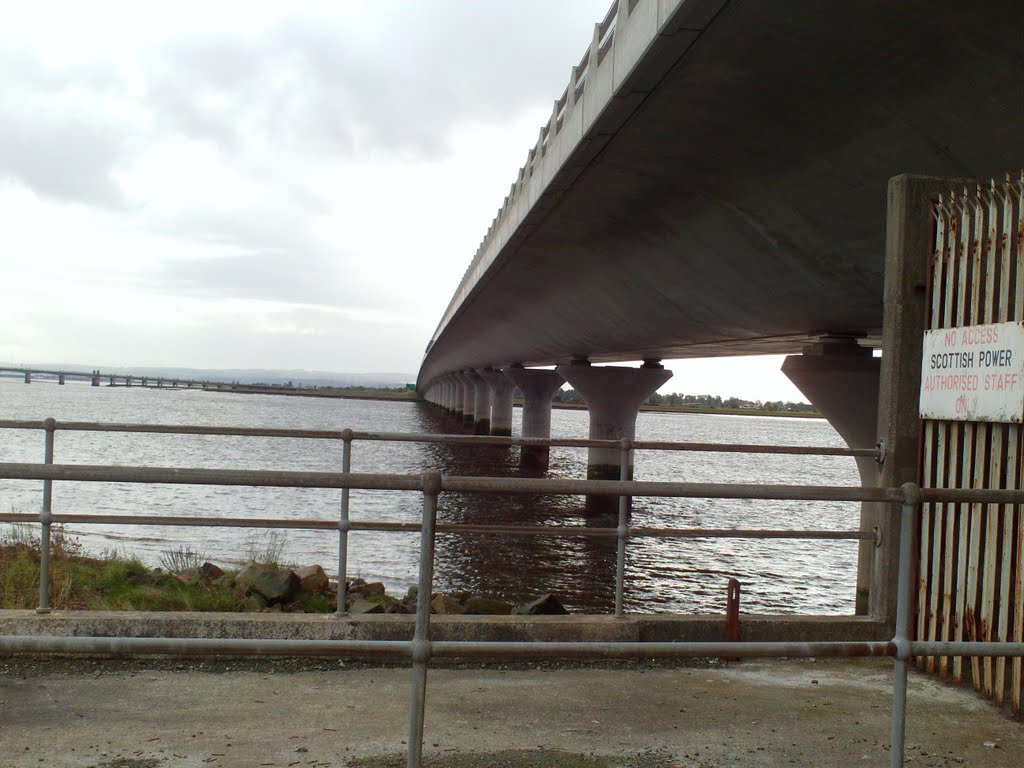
x: 399, y: 87
x: 49, y: 145
x: 308, y: 278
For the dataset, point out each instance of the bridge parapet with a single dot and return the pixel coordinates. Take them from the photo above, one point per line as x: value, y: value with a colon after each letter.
x: 604, y: 89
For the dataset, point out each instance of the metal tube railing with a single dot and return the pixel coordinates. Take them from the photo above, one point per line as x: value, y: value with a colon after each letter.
x: 911, y: 503
x: 567, y: 531
x: 344, y: 526
x: 421, y: 649
x: 622, y: 531
x: 45, y: 523
x: 407, y: 437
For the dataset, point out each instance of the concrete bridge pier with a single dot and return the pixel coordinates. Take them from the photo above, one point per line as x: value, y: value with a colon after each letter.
x: 95, y: 378
x: 457, y: 399
x: 447, y: 398
x: 538, y: 388
x: 127, y: 381
x: 501, y: 401
x: 454, y: 399
x: 481, y: 404
x: 111, y: 382
x: 60, y: 378
x: 614, y: 396
x: 468, y: 401
x: 28, y: 377
x: 841, y: 379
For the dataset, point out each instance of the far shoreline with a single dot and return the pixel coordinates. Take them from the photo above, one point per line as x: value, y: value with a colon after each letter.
x: 410, y: 396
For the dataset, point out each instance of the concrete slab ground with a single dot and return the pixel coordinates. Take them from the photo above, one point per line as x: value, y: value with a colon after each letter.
x: 173, y: 714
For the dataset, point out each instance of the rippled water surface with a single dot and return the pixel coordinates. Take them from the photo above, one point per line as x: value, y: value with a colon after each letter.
x: 781, y: 576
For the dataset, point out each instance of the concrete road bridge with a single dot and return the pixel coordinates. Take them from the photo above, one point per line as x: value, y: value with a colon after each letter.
x: 715, y: 180
x: 711, y: 182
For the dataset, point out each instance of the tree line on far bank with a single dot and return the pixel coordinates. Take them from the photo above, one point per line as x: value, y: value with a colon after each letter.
x: 679, y: 400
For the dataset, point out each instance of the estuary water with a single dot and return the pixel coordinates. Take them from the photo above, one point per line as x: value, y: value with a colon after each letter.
x: 687, y: 575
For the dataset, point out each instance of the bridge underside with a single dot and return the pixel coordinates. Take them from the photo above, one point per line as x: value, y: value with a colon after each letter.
x: 732, y: 198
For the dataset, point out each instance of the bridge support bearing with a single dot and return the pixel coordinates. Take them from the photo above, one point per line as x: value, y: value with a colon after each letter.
x: 501, y: 401
x: 614, y: 396
x: 841, y: 380
x: 481, y: 404
x: 538, y: 387
x: 468, y: 401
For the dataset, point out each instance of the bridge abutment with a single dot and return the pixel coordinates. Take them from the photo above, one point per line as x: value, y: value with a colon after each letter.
x: 538, y: 388
x: 614, y: 396
x: 841, y: 380
x: 501, y: 401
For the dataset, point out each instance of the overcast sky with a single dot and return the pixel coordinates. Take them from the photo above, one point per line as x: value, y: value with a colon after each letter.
x: 269, y: 185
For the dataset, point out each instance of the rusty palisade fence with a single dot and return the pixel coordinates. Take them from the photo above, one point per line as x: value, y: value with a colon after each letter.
x: 970, y: 583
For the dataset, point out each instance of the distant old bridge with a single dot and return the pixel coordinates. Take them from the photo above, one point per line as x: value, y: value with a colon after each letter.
x: 97, y: 378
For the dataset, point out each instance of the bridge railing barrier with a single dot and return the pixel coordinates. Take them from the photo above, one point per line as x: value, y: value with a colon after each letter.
x: 420, y: 650
x: 622, y: 532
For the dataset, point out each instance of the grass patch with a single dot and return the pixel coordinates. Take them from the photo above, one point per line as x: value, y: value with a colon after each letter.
x: 109, y: 583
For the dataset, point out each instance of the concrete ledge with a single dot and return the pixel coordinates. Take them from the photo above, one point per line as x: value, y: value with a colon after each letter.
x: 306, y: 626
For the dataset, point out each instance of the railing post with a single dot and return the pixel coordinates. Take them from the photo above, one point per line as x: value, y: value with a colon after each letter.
x: 45, y: 520
x: 623, y: 529
x: 344, y: 525
x: 421, y: 637
x: 910, y: 506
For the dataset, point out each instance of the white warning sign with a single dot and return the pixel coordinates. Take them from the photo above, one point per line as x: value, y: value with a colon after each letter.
x: 974, y: 373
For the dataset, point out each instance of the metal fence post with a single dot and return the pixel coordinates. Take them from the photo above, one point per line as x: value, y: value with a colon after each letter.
x: 421, y: 637
x: 911, y: 505
x: 623, y: 529
x: 344, y: 525
x: 45, y: 520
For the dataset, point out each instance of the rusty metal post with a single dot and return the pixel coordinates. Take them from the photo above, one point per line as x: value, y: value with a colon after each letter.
x: 421, y: 637
x: 623, y: 530
x: 46, y: 520
x: 732, y: 612
x: 344, y: 525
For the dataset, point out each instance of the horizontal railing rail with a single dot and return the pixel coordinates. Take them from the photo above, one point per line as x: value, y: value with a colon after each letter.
x: 443, y: 439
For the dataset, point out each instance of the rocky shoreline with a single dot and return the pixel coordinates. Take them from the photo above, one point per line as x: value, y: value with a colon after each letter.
x: 265, y: 587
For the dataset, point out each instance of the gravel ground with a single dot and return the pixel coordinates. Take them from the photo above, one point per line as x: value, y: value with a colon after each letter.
x: 165, y: 713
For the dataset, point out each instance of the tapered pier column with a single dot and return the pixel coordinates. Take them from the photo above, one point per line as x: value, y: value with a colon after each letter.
x: 60, y: 378
x: 468, y: 401
x: 95, y: 378
x: 538, y: 387
x: 481, y: 404
x: 501, y: 401
x: 841, y: 380
x: 614, y: 396
x: 28, y: 377
x: 457, y: 398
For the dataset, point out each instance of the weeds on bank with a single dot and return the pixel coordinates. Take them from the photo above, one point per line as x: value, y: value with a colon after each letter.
x: 111, y: 582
